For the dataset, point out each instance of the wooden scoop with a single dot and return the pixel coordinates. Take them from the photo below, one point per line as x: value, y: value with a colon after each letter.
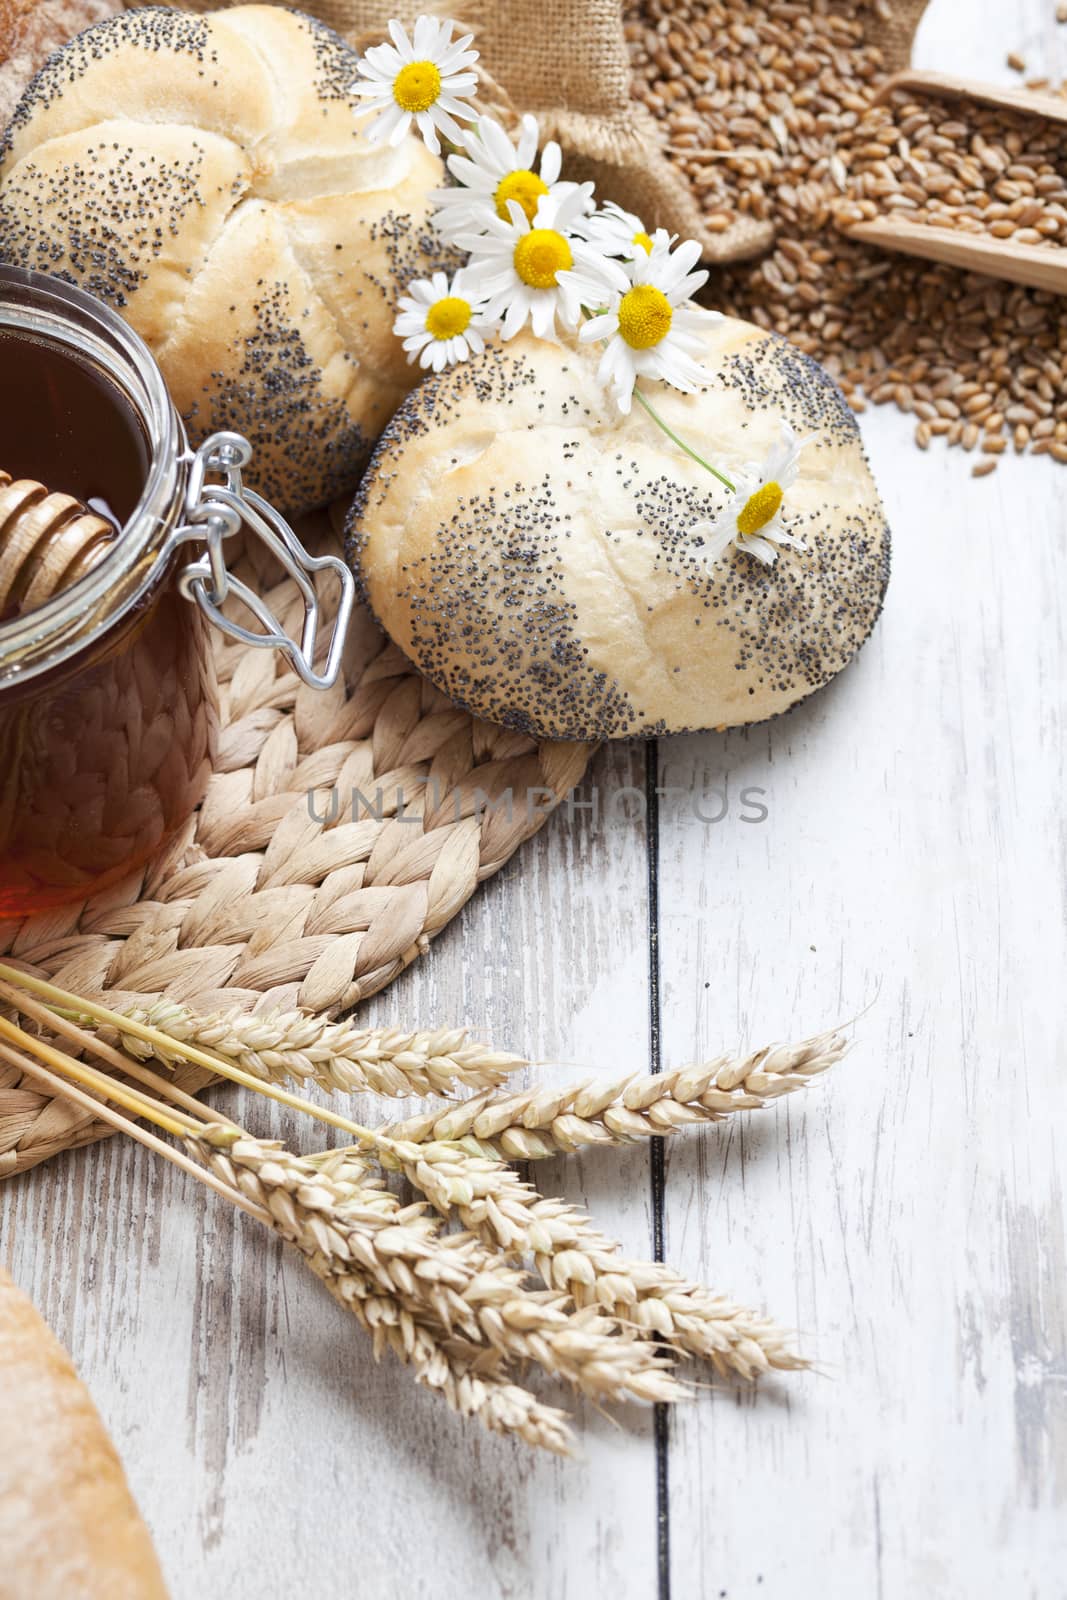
x: 1040, y: 266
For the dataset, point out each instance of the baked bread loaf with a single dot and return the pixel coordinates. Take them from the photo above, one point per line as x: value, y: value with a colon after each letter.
x: 68, y: 1526
x: 544, y: 561
x: 206, y: 176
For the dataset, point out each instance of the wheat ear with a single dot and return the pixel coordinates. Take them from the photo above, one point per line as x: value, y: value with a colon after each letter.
x: 335, y: 1055
x: 573, y: 1256
x: 541, y: 1122
x: 357, y: 1239
x: 691, y: 1318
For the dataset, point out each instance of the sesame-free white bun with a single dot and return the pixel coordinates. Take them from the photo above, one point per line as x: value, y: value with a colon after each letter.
x: 206, y: 176
x: 533, y: 552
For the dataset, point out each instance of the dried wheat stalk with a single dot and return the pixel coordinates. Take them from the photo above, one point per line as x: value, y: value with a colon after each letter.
x: 466, y: 1375
x: 362, y: 1242
x: 573, y: 1256
x: 313, y: 1202
x: 335, y: 1055
x: 544, y: 1121
x: 709, y: 1327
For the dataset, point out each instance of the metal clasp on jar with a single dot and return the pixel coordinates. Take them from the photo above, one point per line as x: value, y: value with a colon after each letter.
x: 213, y: 512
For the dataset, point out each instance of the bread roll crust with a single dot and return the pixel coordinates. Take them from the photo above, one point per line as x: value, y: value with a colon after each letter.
x: 533, y: 553
x: 207, y: 176
x: 68, y: 1526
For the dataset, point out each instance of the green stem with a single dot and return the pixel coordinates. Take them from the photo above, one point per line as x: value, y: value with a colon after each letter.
x: 658, y: 420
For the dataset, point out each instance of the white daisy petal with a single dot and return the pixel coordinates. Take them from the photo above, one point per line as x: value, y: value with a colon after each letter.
x: 439, y: 118
x: 601, y: 326
x: 762, y: 549
x: 677, y: 263
x: 382, y: 59
x: 713, y: 539
x: 373, y: 91
x: 499, y: 150
x: 401, y: 41
x: 401, y: 128
x: 385, y: 127
x: 514, y: 317
x: 459, y: 83
x: 551, y: 163
x: 423, y: 38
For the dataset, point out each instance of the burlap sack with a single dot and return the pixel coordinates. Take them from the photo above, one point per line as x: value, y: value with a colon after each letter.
x: 567, y: 62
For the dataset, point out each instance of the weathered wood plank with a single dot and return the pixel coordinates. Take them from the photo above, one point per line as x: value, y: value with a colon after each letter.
x: 265, y: 1447
x: 907, y: 1215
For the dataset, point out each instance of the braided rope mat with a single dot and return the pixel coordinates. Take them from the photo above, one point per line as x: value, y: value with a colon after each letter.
x: 259, y: 904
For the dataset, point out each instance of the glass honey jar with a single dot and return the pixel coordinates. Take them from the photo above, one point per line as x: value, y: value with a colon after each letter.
x: 108, y: 703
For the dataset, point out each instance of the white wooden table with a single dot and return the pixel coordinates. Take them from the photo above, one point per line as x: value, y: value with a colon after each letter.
x: 906, y: 1214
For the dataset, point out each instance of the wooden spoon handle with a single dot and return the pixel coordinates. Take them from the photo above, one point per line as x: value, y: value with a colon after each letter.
x: 940, y: 85
x: 1033, y: 264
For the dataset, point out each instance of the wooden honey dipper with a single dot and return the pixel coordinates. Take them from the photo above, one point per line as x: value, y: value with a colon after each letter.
x: 47, y: 542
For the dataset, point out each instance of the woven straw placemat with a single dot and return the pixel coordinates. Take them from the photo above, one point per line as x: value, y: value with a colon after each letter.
x: 257, y: 903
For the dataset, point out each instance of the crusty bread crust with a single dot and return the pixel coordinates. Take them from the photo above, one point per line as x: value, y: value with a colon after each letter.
x: 534, y: 554
x: 207, y: 176
x: 69, y: 1529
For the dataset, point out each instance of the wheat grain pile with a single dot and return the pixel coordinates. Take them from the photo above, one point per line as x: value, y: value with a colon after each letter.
x: 764, y: 106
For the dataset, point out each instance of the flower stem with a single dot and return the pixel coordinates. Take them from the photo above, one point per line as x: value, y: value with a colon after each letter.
x: 658, y: 420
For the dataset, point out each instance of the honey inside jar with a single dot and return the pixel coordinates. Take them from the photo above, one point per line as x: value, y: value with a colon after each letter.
x: 104, y: 754
x: 65, y: 425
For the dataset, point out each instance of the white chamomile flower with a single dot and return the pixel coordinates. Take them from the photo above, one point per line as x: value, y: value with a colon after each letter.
x: 649, y: 324
x: 419, y: 80
x: 439, y: 322
x: 753, y: 519
x: 493, y: 172
x: 537, y: 272
x: 616, y: 232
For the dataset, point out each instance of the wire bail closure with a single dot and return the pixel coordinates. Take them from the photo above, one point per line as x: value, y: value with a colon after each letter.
x: 215, y: 511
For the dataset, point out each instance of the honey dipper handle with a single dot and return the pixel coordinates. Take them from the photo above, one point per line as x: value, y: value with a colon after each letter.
x: 47, y: 542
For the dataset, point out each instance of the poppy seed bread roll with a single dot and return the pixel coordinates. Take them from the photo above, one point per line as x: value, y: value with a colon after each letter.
x: 544, y: 560
x: 207, y: 177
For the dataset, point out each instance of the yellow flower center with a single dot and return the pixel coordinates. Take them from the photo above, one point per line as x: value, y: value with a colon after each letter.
x: 525, y: 187
x: 416, y: 86
x: 539, y: 255
x: 644, y: 316
x: 448, y: 317
x: 644, y: 241
x: 759, y: 509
